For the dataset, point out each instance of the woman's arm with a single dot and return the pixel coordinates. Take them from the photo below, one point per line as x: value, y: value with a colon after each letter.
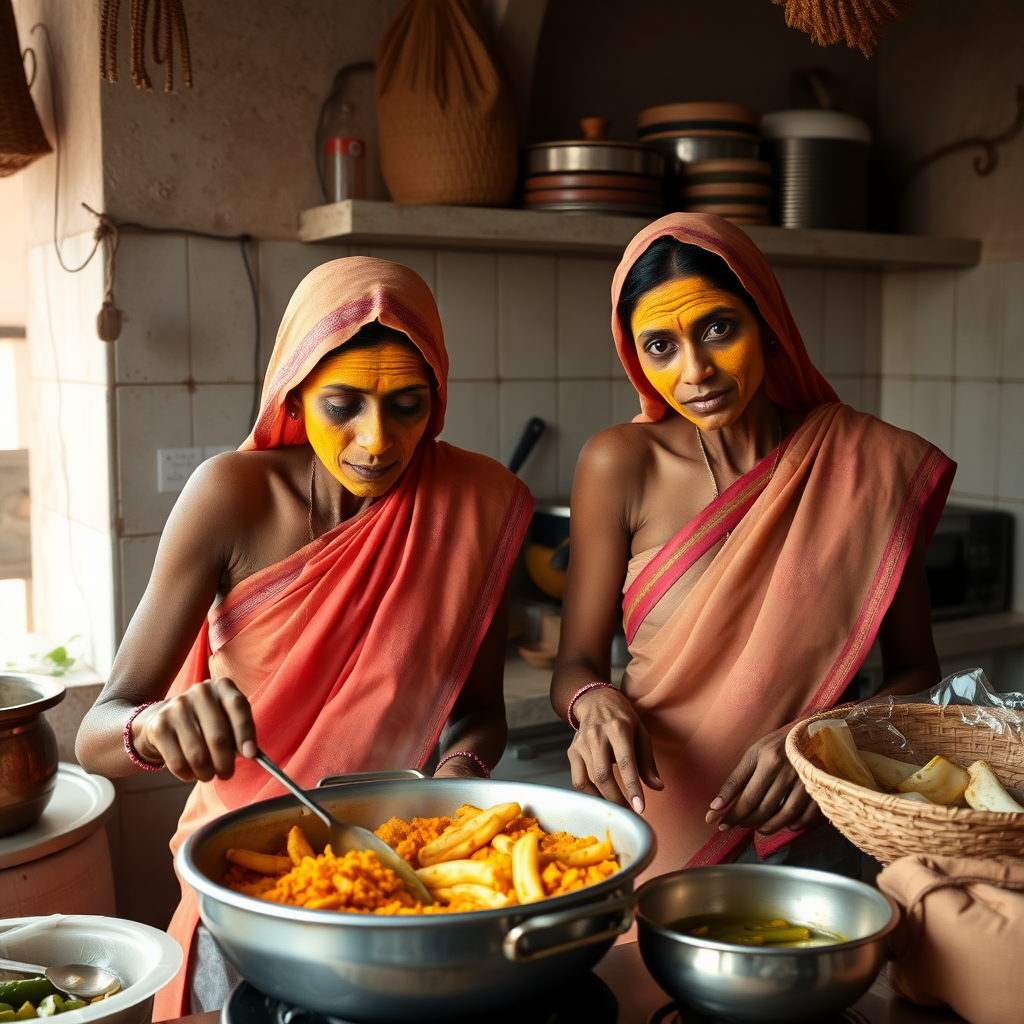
x: 477, y: 722
x: 197, y: 733
x: 764, y: 791
x: 610, y: 734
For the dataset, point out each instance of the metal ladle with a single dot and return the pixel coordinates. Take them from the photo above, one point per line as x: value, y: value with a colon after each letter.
x: 348, y: 838
x: 79, y: 980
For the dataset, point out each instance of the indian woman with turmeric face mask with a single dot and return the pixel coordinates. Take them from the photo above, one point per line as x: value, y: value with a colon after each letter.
x: 334, y: 591
x: 753, y: 536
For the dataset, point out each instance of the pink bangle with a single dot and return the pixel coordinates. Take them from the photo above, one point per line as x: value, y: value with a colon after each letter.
x: 576, y: 696
x: 129, y: 747
x: 465, y: 753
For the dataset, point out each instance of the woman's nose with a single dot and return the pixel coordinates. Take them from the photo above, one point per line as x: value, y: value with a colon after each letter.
x: 372, y: 436
x: 696, y: 366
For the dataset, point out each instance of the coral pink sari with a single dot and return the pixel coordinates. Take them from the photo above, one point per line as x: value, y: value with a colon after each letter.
x: 353, y: 650
x: 768, y: 601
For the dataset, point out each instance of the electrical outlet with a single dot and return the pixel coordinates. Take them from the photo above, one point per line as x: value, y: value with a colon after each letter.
x: 174, y: 466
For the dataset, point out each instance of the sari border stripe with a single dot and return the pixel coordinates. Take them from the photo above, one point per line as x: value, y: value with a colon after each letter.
x: 931, y: 478
x: 934, y: 471
x: 504, y: 552
x: 697, y: 537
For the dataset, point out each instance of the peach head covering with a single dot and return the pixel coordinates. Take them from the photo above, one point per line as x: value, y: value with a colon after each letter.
x: 793, y: 382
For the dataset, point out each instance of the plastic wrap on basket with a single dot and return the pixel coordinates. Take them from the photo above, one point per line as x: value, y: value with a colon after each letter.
x: 968, y: 690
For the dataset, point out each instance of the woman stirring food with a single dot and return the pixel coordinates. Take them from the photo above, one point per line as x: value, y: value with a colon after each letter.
x: 762, y: 533
x: 357, y: 571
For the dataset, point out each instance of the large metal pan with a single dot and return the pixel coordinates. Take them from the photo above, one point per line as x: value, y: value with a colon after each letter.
x: 377, y: 968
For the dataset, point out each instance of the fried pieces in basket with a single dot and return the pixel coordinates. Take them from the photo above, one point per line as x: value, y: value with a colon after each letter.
x: 941, y: 781
x: 479, y: 859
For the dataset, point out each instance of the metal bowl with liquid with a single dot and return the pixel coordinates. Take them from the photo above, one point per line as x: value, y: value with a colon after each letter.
x: 742, y: 983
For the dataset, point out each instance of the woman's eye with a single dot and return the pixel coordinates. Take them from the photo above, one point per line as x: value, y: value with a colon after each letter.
x: 658, y: 347
x: 408, y: 408
x: 719, y: 329
x: 341, y: 412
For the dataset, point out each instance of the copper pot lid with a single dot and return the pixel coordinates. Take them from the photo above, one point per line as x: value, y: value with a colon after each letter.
x: 671, y: 119
x: 594, y: 153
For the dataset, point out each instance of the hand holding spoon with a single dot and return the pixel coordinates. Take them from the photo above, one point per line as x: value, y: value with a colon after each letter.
x: 347, y: 838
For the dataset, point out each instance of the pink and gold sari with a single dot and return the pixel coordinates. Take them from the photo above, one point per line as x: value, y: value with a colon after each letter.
x: 763, y: 607
x: 353, y: 650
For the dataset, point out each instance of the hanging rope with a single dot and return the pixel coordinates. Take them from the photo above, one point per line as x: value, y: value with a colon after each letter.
x: 858, y: 23
x: 168, y: 25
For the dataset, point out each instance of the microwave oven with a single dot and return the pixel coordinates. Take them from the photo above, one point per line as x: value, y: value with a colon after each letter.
x: 969, y: 562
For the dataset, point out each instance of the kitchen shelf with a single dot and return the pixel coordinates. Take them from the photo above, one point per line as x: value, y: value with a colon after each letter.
x: 365, y: 221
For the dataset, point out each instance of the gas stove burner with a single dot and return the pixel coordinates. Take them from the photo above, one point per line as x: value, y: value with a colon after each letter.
x: 583, y: 999
x: 672, y: 1013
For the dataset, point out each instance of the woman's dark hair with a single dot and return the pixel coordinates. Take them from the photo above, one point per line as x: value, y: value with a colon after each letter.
x: 368, y: 336
x: 667, y: 258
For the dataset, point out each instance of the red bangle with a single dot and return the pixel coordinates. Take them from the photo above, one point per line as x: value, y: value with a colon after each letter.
x: 465, y: 753
x: 574, y: 722
x: 129, y: 747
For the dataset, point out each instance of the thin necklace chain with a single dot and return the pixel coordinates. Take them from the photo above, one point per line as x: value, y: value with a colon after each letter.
x: 707, y: 465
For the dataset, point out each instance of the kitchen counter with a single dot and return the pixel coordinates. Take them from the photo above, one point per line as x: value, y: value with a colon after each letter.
x: 639, y: 996
x: 526, y: 688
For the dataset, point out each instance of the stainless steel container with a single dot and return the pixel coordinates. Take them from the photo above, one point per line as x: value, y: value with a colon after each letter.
x: 688, y: 149
x: 766, y: 983
x: 820, y: 163
x: 602, y: 157
x: 378, y: 968
x: 28, y: 749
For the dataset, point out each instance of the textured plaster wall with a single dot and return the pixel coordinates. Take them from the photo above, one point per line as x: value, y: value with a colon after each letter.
x: 612, y: 58
x: 235, y: 153
x: 948, y: 72
x: 74, y: 36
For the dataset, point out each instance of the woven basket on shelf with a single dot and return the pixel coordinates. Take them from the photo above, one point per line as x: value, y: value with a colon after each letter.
x: 888, y: 827
x: 21, y: 136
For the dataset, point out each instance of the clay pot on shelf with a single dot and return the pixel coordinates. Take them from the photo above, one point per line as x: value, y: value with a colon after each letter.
x: 28, y: 749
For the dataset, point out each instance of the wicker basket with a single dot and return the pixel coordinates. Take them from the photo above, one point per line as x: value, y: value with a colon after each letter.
x: 888, y: 827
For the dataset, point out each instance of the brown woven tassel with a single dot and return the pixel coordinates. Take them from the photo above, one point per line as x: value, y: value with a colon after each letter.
x: 168, y: 28
x: 858, y: 23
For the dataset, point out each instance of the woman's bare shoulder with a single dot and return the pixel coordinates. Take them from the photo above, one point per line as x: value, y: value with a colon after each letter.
x: 237, y: 487
x: 627, y: 448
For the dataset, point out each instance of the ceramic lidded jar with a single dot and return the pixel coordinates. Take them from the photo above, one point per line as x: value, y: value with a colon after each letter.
x: 28, y: 749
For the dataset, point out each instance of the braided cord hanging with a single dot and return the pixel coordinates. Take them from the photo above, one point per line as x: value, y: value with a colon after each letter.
x: 167, y: 28
x: 858, y: 23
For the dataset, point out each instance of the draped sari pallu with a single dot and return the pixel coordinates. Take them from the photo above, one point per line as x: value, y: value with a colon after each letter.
x: 779, y: 622
x: 353, y: 650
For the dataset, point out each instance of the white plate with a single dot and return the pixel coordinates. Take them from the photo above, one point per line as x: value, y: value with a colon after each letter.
x: 144, y: 958
x: 80, y: 804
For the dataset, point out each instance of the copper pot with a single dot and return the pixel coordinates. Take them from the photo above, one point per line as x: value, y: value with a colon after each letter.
x: 28, y: 749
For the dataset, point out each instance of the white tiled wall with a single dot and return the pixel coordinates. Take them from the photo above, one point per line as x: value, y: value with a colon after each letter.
x: 527, y: 335
x: 953, y: 371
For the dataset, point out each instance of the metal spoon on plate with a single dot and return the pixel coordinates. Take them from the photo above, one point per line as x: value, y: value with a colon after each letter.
x: 79, y: 980
x: 347, y: 838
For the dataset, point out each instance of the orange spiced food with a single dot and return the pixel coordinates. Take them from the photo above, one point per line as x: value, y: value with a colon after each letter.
x: 475, y: 860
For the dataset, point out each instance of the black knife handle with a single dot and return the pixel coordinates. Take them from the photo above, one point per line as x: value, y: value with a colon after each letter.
x: 531, y: 435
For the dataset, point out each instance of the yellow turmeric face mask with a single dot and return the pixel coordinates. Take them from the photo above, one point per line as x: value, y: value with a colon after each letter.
x: 365, y: 412
x: 700, y: 347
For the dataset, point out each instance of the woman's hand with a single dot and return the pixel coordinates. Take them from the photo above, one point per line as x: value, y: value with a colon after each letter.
x: 198, y: 733
x: 764, y: 791
x: 611, y: 735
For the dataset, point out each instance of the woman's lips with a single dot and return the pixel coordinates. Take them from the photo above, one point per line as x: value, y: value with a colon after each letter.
x: 371, y: 472
x: 712, y: 402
